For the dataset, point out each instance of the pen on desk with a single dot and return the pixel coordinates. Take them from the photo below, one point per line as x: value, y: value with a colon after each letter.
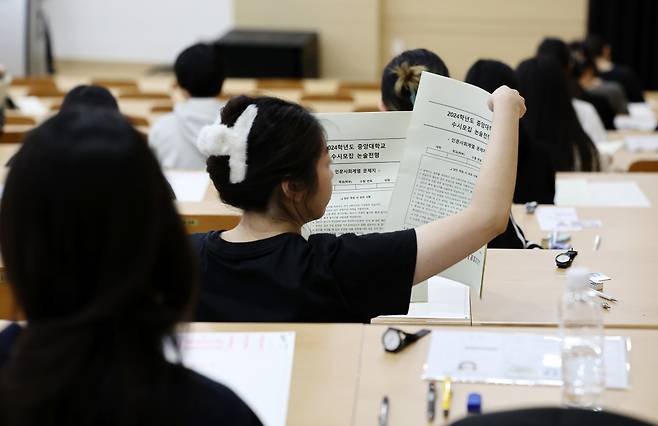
x: 605, y: 296
x: 431, y: 402
x: 446, y: 396
x: 383, y: 412
x: 597, y: 242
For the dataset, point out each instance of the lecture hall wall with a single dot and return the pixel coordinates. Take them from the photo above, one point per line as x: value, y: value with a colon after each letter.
x: 357, y: 36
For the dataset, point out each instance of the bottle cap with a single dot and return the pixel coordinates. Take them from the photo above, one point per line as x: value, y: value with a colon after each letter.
x: 474, y: 404
x: 578, y: 278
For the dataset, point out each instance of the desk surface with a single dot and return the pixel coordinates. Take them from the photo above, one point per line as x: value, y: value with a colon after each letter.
x: 325, y: 369
x: 341, y: 372
x: 398, y: 377
x: 522, y: 287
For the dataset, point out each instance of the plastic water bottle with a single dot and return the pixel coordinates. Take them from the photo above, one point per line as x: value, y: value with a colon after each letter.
x: 581, y: 329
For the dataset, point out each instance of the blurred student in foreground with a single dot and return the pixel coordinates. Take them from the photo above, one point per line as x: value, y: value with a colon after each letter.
x: 99, y: 264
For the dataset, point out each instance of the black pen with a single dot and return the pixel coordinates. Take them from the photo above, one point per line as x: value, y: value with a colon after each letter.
x: 383, y: 412
x: 431, y: 402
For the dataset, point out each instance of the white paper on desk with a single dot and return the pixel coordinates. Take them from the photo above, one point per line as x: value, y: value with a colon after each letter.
x: 558, y: 219
x: 446, y: 142
x: 580, y: 192
x: 447, y: 299
x: 188, y: 185
x: 31, y: 105
x: 648, y: 143
x: 256, y: 366
x: 609, y: 147
x: 365, y: 149
x: 514, y: 358
x: 640, y: 117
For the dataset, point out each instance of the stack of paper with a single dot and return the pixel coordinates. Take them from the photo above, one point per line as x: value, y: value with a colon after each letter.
x: 580, y: 192
x: 641, y: 143
x: 256, y: 366
x: 514, y: 358
x: 447, y: 299
x: 188, y: 185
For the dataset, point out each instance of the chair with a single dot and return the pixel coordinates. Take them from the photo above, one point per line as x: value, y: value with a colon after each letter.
x: 33, y: 81
x: 116, y: 83
x: 13, y: 135
x: 550, y: 417
x: 359, y: 85
x: 644, y: 166
x: 162, y: 109
x: 337, y: 97
x: 280, y: 83
x: 368, y: 108
x: 137, y: 121
x: 137, y: 95
x: 45, y: 91
x: 20, y: 120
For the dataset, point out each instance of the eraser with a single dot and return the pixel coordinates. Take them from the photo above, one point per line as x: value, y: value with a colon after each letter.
x: 474, y: 404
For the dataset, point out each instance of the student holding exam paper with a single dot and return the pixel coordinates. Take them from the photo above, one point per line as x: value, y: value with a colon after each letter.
x: 269, y: 158
x: 99, y: 264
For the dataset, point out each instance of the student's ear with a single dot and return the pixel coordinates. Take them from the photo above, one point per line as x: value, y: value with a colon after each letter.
x: 293, y: 191
x: 381, y: 105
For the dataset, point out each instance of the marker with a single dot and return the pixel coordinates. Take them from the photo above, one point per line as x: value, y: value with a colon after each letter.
x: 431, y: 402
x: 446, y: 397
x: 383, y: 412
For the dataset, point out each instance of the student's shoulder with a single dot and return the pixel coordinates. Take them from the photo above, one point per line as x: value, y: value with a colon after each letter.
x: 200, y: 240
x: 212, y: 403
x: 160, y: 127
x: 371, y: 241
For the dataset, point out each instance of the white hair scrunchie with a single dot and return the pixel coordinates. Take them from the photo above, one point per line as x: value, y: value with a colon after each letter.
x: 220, y: 140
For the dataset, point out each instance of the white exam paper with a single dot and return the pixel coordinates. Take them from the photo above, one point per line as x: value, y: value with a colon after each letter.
x: 514, y: 358
x: 447, y: 299
x: 446, y: 143
x: 581, y: 192
x: 188, y: 185
x: 256, y: 366
x: 648, y: 143
x: 558, y: 219
x: 365, y: 149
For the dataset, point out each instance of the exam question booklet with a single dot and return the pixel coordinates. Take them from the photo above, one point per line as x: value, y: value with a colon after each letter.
x: 257, y: 366
x: 514, y: 358
x: 365, y: 149
x: 446, y: 142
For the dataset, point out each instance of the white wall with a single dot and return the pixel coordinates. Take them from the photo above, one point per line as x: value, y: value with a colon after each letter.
x: 141, y: 31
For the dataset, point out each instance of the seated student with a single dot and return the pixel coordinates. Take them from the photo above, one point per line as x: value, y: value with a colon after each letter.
x: 200, y: 74
x: 85, y: 96
x: 101, y: 268
x: 585, y: 111
x: 269, y: 158
x: 609, y: 71
x: 551, y: 119
x: 401, y: 77
x: 535, y: 174
x: 400, y: 80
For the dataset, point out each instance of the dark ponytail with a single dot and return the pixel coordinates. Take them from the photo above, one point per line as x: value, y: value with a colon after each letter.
x: 401, y: 77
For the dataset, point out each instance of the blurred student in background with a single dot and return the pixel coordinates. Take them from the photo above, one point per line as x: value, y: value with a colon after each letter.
x: 551, y: 119
x: 200, y: 74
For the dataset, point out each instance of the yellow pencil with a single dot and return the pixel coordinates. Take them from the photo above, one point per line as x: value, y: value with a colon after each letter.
x: 446, y: 396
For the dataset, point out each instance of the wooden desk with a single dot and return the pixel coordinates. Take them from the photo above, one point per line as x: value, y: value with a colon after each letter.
x: 632, y: 229
x: 522, y: 287
x: 622, y: 159
x: 648, y: 182
x: 398, y: 377
x: 325, y: 369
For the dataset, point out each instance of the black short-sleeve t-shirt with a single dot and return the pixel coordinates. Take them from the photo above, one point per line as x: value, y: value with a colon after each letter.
x: 287, y: 278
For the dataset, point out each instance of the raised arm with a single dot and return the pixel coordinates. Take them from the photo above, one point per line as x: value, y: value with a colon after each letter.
x: 446, y: 241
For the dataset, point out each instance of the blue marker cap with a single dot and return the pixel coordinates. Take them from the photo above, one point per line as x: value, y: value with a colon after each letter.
x: 474, y: 404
